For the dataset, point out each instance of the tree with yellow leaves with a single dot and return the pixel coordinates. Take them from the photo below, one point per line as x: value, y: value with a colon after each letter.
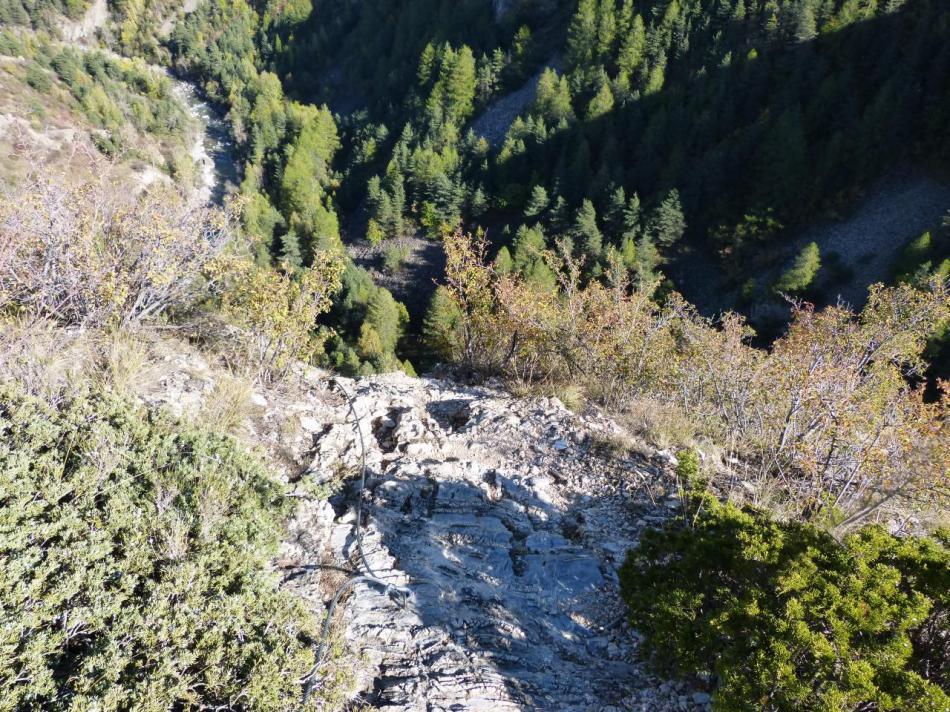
x: 277, y: 311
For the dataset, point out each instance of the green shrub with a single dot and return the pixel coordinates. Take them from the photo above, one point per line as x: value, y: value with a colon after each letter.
x: 38, y: 78
x: 914, y: 254
x: 134, y: 565
x: 688, y: 468
x: 393, y: 258
x: 801, y: 274
x: 787, y: 618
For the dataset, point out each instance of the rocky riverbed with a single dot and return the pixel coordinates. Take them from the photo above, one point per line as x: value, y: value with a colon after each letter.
x: 212, y: 149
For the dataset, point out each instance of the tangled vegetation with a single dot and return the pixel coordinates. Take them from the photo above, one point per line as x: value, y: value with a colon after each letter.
x: 134, y: 565
x: 786, y: 618
x: 830, y: 415
x: 90, y: 256
x: 277, y: 313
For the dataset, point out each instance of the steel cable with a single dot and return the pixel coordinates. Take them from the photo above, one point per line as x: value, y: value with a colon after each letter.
x: 399, y: 594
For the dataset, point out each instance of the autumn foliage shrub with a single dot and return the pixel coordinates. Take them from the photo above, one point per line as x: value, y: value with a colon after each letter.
x: 275, y: 310
x: 832, y: 414
x: 786, y: 618
x: 134, y: 569
x: 93, y: 256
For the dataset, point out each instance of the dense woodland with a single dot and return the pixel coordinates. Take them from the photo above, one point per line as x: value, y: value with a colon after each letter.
x: 40, y: 13
x: 656, y: 129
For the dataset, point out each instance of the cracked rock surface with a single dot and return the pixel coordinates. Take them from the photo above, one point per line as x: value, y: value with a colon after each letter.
x: 508, y: 530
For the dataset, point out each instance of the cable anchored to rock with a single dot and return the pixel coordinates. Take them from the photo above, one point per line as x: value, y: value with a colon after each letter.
x: 399, y: 594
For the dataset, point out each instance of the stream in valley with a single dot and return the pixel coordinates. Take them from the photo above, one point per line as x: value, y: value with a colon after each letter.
x: 213, y: 150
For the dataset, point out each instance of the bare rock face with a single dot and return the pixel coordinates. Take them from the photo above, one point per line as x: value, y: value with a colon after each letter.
x: 507, y: 530
x: 497, y: 514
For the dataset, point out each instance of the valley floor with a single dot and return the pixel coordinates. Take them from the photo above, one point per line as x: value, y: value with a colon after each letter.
x: 866, y: 243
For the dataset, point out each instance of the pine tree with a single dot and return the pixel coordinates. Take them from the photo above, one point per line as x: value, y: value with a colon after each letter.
x: 738, y: 11
x: 586, y: 232
x: 606, y: 29
x: 647, y: 260
x: 528, y: 258
x: 632, y: 48
x: 503, y: 263
x: 441, y: 327
x: 602, y: 103
x: 770, y: 17
x: 521, y: 47
x: 582, y: 34
x: 369, y: 345
x: 803, y: 20
x: 616, y: 206
x: 628, y: 252
x: 458, y: 75
x: 667, y: 223
x: 537, y: 202
x: 387, y: 317
x: 374, y: 233
x: 656, y: 77
x: 631, y: 218
x: 553, y: 98
x: 478, y: 203
x: 802, y: 272
x: 426, y: 65
x: 486, y: 79
x: 290, y: 249
x: 398, y: 202
x: 558, y: 215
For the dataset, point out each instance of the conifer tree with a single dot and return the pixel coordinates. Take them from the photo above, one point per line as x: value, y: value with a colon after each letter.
x: 441, y: 328
x: 631, y: 218
x: 537, y: 202
x: 553, y: 98
x: 802, y: 272
x: 290, y: 249
x: 503, y: 262
x: 478, y: 203
x: 616, y: 206
x: 667, y: 223
x: 586, y: 232
x: 606, y: 29
x: 426, y: 65
x: 602, y: 103
x: 528, y: 258
x: 582, y: 34
x: 558, y: 216
x: 457, y: 82
x: 647, y: 259
x: 628, y: 252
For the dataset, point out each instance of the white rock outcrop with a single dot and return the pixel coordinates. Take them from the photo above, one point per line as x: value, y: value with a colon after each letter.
x: 499, y: 515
